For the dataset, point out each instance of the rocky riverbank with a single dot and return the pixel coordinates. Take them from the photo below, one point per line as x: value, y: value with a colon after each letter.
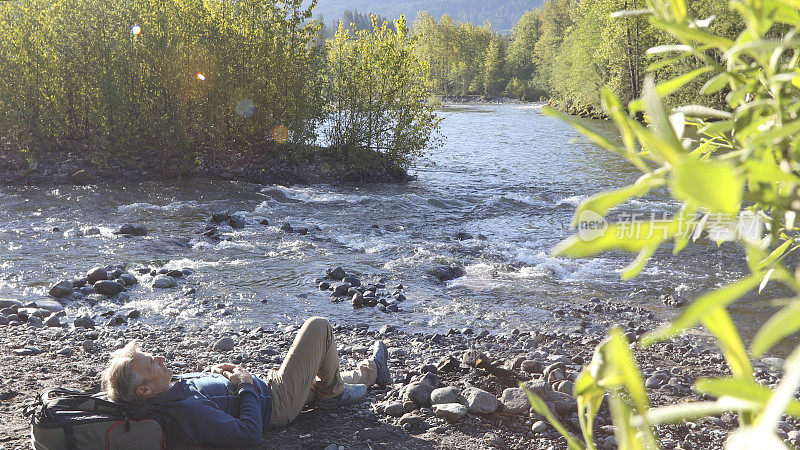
x: 306, y: 166
x: 452, y: 390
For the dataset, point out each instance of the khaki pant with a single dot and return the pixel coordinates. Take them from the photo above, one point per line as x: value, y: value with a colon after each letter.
x: 311, y: 371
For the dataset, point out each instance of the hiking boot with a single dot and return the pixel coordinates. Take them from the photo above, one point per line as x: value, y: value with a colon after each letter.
x: 381, y: 358
x: 353, y: 393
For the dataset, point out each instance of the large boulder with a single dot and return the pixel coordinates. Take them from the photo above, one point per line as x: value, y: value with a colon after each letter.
x: 515, y: 401
x: 479, y: 401
x: 447, y: 394
x: 560, y: 402
x: 49, y: 305
x: 61, y: 289
x: 446, y: 273
x: 164, y: 282
x: 419, y: 393
x: 96, y: 274
x: 451, y: 412
x: 225, y: 344
x: 132, y: 230
x: 108, y: 288
x: 335, y: 273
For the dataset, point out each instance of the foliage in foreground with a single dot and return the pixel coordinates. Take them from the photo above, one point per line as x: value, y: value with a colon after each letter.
x: 744, y: 161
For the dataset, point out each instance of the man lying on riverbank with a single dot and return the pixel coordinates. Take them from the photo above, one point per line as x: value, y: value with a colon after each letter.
x: 230, y: 407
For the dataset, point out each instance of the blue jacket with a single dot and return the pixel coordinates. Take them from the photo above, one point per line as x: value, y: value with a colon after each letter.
x: 207, y: 409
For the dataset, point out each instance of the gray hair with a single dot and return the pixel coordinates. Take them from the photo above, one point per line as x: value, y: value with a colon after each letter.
x: 120, y: 381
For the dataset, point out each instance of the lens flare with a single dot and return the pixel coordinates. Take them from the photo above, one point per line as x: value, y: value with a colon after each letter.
x: 245, y: 108
x: 280, y: 134
x: 136, y: 30
x: 201, y: 77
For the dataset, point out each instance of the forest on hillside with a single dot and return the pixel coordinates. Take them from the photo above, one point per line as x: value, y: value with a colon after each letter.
x: 501, y: 13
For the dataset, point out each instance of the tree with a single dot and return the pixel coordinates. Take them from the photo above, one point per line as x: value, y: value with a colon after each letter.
x: 493, y: 75
x: 377, y: 92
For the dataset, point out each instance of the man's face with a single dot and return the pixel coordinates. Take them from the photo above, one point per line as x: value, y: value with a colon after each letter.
x: 155, y: 373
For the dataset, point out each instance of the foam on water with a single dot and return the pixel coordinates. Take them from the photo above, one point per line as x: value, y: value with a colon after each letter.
x: 317, y: 195
x: 146, y: 207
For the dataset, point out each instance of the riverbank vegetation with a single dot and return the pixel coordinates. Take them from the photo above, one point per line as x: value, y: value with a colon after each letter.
x: 740, y: 174
x: 173, y: 85
x: 564, y: 51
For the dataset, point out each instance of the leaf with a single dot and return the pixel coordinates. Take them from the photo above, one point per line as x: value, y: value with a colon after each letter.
x: 688, y: 33
x: 715, y: 84
x: 632, y: 13
x: 669, y: 147
x: 635, y: 267
x: 688, y: 411
x: 783, y: 396
x: 658, y: 49
x: 603, y: 202
x: 541, y: 407
x: 690, y: 316
x: 782, y: 324
x: 777, y: 133
x: 668, y: 87
x: 719, y: 323
x: 750, y: 391
x: 581, y: 128
x: 703, y: 112
x: 712, y: 184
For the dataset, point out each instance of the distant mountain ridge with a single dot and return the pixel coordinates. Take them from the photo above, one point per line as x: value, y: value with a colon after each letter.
x: 502, y: 13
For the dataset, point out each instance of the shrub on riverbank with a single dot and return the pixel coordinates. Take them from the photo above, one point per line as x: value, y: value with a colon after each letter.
x: 171, y: 85
x: 377, y: 91
x: 741, y: 169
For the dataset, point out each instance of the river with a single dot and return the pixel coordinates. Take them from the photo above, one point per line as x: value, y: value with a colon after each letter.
x: 505, y: 171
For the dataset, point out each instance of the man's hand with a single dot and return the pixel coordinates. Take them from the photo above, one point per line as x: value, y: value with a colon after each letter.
x: 224, y: 367
x: 238, y: 376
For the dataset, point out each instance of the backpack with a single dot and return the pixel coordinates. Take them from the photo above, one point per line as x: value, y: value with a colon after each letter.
x: 68, y: 419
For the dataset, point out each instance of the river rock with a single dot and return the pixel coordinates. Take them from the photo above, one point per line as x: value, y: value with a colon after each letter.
x: 237, y: 221
x: 394, y: 409
x: 463, y: 236
x: 446, y: 273
x: 451, y: 412
x: 412, y: 421
x: 447, y: 394
x: 91, y: 231
x: 225, y: 344
x: 83, y: 321
x: 9, y: 303
x: 53, y: 321
x: 35, y: 322
x: 49, y: 305
x: 515, y: 401
x: 358, y: 300
x: 352, y: 281
x: 108, y: 288
x: 531, y: 366
x: 132, y: 230
x: 287, y: 228
x: 128, y: 279
x: 61, y: 289
x: 479, y: 401
x: 219, y: 217
x: 674, y: 300
x: 335, y: 273
x: 340, y: 288
x: 419, y: 393
x: 164, y: 282
x: 96, y: 274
